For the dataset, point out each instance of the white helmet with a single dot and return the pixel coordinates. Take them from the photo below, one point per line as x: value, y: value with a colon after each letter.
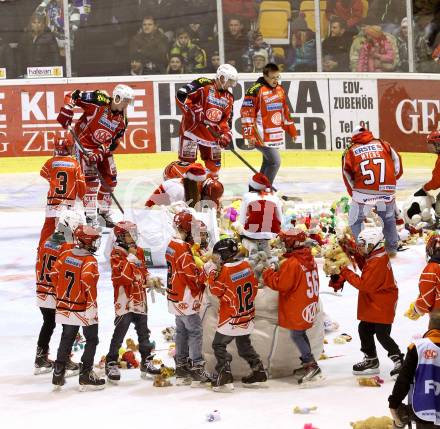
x: 370, y: 237
x: 68, y: 221
x: 229, y: 73
x: 123, y: 93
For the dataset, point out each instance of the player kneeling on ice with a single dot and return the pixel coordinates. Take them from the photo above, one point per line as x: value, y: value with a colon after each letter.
x: 233, y: 282
x: 130, y: 279
x: 297, y: 281
x: 48, y: 252
x: 185, y: 293
x: 429, y: 282
x: 75, y: 276
x: 376, y: 302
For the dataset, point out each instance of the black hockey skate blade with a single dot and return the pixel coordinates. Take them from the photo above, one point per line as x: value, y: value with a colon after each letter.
x: 90, y: 388
x: 226, y: 388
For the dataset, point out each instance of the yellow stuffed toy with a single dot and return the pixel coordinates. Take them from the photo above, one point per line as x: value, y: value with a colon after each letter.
x: 412, y: 312
x: 334, y: 258
x: 383, y: 422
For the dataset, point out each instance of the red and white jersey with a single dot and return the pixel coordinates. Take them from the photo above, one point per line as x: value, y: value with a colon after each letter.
x: 217, y: 108
x: 260, y: 215
x: 236, y: 287
x: 75, y: 277
x: 129, y: 277
x: 184, y: 285
x: 66, y: 183
x: 265, y: 114
x: 169, y: 192
x: 98, y: 125
x: 434, y: 183
x: 429, y: 288
x: 46, y: 257
x: 370, y: 171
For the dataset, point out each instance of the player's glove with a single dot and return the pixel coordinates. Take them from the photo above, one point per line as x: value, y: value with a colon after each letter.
x: 225, y: 140
x: 336, y: 282
x: 65, y: 116
x: 290, y: 128
x: 420, y: 193
x: 412, y: 313
x: 198, y: 114
x: 98, y: 155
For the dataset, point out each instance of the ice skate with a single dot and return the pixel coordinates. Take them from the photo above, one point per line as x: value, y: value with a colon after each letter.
x: 398, y: 362
x: 370, y: 365
x: 224, y: 381
x: 312, y: 375
x: 199, y: 375
x: 257, y: 376
x: 112, y: 372
x: 105, y: 218
x: 58, y: 376
x: 183, y: 374
x: 89, y: 380
x: 299, y: 373
x: 43, y: 364
x: 148, y: 370
x: 72, y: 368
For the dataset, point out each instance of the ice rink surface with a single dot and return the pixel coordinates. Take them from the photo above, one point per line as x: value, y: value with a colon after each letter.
x: 28, y: 400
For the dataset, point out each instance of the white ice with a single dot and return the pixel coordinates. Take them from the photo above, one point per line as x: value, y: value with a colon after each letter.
x: 29, y: 400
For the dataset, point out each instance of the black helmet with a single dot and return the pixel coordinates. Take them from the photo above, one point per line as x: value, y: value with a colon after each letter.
x: 226, y: 248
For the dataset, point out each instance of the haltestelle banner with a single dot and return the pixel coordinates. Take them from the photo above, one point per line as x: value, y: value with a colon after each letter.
x: 325, y: 111
x: 28, y: 113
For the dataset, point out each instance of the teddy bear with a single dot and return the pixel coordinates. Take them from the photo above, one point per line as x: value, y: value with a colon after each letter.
x: 383, y: 422
x: 334, y: 258
x: 128, y: 360
x: 131, y: 345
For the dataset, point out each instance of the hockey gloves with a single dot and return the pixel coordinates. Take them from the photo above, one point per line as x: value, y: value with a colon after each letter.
x: 98, y: 156
x: 65, y: 116
x: 225, y: 140
x: 420, y: 193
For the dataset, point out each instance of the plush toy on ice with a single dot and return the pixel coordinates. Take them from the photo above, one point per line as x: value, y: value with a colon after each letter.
x: 334, y: 259
x: 374, y: 423
x: 419, y: 209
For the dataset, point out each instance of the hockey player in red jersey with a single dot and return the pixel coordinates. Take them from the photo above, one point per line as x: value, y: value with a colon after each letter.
x: 429, y: 282
x: 130, y: 278
x: 264, y: 118
x: 260, y: 215
x: 185, y: 293
x: 66, y: 183
x: 235, y: 285
x: 99, y: 130
x: 297, y: 281
x: 75, y: 276
x: 48, y: 252
x: 187, y: 183
x: 206, y: 107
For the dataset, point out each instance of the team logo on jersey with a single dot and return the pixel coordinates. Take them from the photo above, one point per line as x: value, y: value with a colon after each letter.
x: 62, y: 164
x: 248, y: 102
x: 73, y: 261
x: 182, y: 306
x: 111, y: 125
x: 214, y: 115
x: 309, y: 312
x: 276, y: 118
x: 220, y: 102
x: 367, y: 148
x: 274, y: 106
x: 101, y: 135
x: 270, y: 99
x: 196, y: 305
x: 51, y: 245
x: 240, y: 275
x: 170, y: 251
x: 430, y: 354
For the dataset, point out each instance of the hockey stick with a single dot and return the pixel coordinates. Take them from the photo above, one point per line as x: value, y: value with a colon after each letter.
x: 101, y: 179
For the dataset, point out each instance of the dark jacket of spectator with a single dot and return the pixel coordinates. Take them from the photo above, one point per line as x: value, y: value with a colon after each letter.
x: 349, y: 10
x: 236, y: 42
x: 257, y: 44
x: 337, y: 46
x: 152, y: 48
x: 39, y: 49
x: 7, y: 59
x: 402, y: 46
x: 301, y: 55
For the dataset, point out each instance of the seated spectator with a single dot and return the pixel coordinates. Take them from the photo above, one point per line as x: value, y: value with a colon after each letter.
x: 7, y: 59
x: 257, y: 43
x: 301, y: 55
x: 214, y: 62
x: 53, y: 10
x: 349, y: 11
x: 175, y: 65
x: 402, y: 45
x: 377, y: 53
x: 388, y: 12
x: 136, y: 66
x: 236, y: 41
x: 336, y: 47
x: 259, y: 60
x: 358, y: 41
x: 38, y: 46
x: 151, y: 46
x: 194, y: 57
